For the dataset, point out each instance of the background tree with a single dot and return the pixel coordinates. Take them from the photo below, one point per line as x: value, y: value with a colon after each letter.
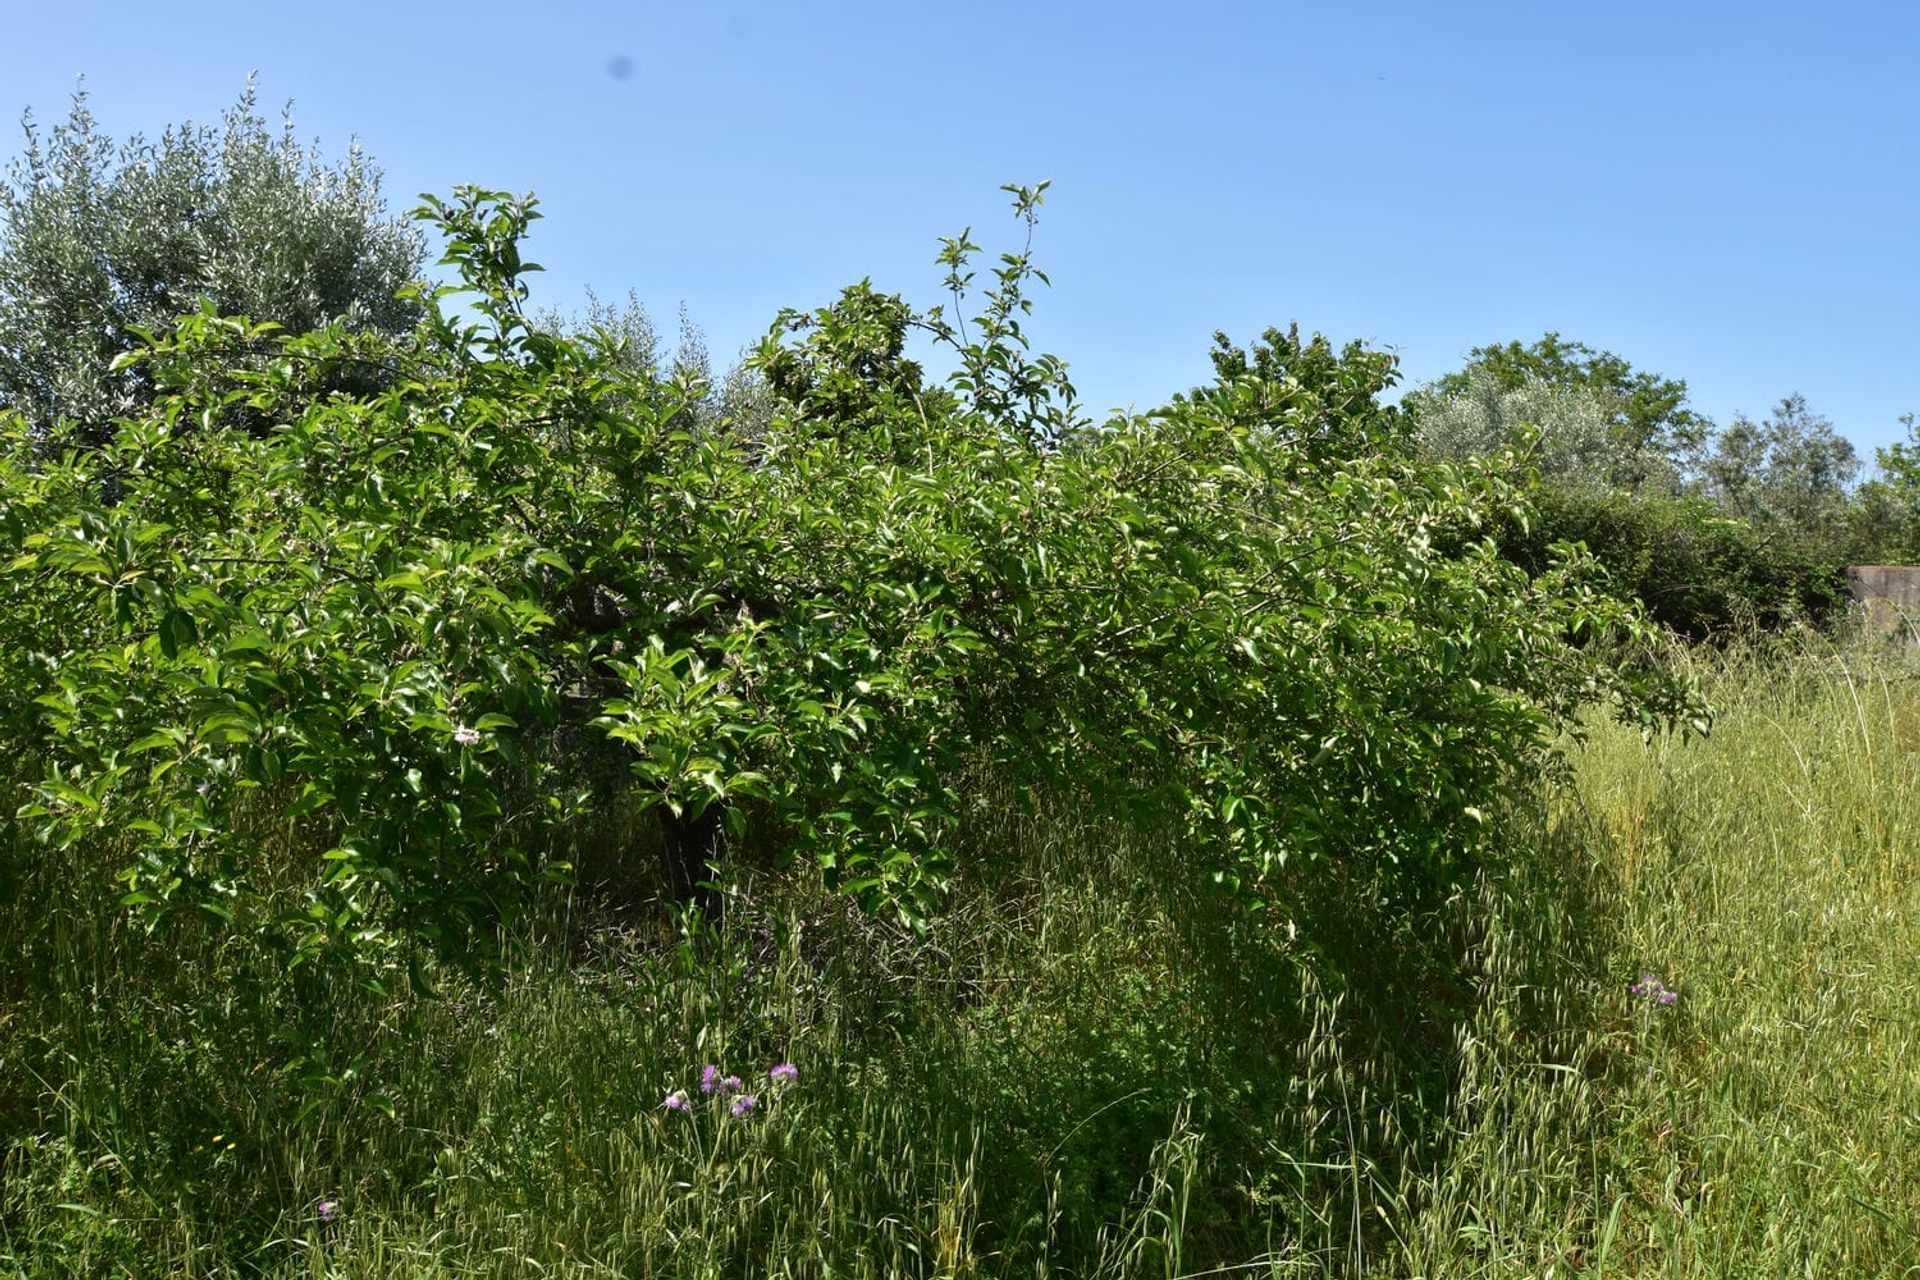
x: 1886, y: 509
x: 1576, y: 442
x: 1792, y: 471
x: 1646, y: 413
x: 98, y: 240
x: 1716, y: 530
x: 739, y: 398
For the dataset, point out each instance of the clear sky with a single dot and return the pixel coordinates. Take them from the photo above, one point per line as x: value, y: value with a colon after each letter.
x: 1723, y: 192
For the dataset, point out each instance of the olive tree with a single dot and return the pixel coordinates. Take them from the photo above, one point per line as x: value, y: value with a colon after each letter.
x: 1646, y: 413
x: 100, y: 241
x: 1566, y: 430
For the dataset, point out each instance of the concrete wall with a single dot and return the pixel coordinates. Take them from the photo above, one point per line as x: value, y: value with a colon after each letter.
x: 1889, y: 593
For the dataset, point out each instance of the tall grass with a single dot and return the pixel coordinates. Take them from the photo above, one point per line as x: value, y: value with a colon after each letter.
x: 1092, y: 1068
x: 1766, y: 1123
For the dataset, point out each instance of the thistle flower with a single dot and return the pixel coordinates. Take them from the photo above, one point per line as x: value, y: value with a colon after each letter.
x: 743, y: 1104
x: 677, y: 1101
x: 1652, y: 988
x: 709, y: 1078
x: 732, y: 1084
x: 327, y: 1210
x: 785, y: 1073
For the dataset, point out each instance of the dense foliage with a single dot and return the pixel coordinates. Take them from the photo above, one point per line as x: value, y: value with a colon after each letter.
x: 331, y: 681
x: 1185, y: 765
x: 99, y: 242
x: 1718, y: 529
x: 1700, y: 572
x: 1647, y: 414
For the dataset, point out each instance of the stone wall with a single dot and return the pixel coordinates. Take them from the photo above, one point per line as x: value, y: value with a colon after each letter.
x: 1888, y: 593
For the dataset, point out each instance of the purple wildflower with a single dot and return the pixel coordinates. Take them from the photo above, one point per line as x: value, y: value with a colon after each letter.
x: 677, y: 1101
x: 1652, y: 988
x: 709, y: 1079
x: 785, y: 1073
x: 327, y: 1210
x: 743, y: 1104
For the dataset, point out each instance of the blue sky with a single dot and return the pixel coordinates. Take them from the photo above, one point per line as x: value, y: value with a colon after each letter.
x: 1724, y: 192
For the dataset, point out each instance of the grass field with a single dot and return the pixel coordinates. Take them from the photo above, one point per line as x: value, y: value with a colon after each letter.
x: 1092, y: 1068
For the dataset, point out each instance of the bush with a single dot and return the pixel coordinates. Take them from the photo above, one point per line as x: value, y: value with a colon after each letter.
x: 1699, y: 572
x: 320, y: 684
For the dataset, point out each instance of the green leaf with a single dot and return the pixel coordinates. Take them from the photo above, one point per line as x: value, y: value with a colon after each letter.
x: 176, y: 632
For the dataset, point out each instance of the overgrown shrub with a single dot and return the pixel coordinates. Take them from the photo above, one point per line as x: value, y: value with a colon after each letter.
x: 1699, y: 571
x: 315, y: 682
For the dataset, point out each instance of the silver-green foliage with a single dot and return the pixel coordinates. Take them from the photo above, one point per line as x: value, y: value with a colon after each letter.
x: 98, y: 240
x: 1565, y: 429
x: 738, y: 401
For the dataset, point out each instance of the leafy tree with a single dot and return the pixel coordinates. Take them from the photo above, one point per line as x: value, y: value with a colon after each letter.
x: 1327, y: 401
x: 1888, y: 508
x: 1646, y: 412
x: 99, y: 242
x: 1564, y: 429
x: 1792, y: 471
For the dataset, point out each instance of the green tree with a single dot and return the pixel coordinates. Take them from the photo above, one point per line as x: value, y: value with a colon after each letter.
x: 1792, y: 471
x: 99, y: 241
x: 1327, y: 399
x: 1891, y: 504
x: 1564, y: 429
x: 1647, y: 413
